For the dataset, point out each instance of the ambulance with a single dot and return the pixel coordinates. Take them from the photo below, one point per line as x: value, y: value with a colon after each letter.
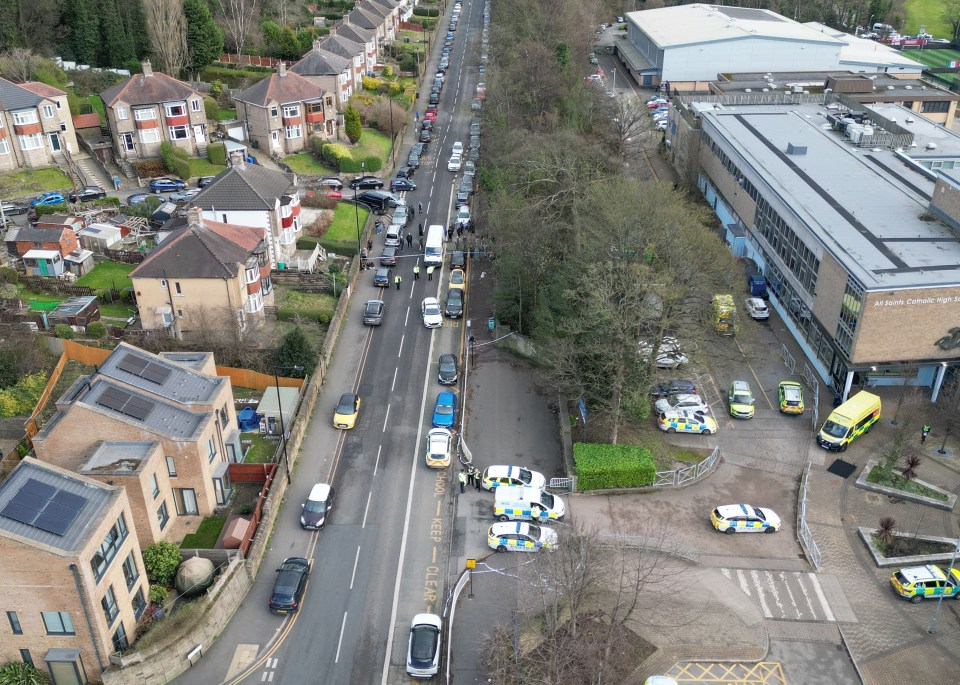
x: 849, y: 421
x: 524, y: 503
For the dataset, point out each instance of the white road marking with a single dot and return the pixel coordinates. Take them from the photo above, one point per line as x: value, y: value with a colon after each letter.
x: 366, y: 510
x: 743, y: 583
x: 772, y: 586
x: 343, y: 625
x: 394, y: 384
x: 793, y: 602
x: 806, y: 595
x: 400, y: 348
x: 763, y: 602
x: 376, y: 463
x: 406, y: 317
x: 353, y: 576
x: 823, y: 600
x: 386, y: 418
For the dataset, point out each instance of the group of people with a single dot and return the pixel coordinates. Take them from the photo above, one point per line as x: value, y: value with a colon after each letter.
x: 469, y: 476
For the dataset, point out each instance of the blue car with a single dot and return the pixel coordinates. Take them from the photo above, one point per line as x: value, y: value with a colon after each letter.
x: 450, y: 36
x: 445, y: 410
x: 165, y: 184
x: 51, y: 198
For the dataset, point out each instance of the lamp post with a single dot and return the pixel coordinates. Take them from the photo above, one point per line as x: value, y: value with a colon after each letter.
x: 933, y: 619
x: 356, y: 208
x: 283, y: 430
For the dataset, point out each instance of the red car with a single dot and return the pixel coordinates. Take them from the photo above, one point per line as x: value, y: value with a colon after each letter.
x: 430, y: 116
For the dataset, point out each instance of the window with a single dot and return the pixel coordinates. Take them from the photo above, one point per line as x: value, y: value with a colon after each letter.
x: 185, y: 500
x: 223, y: 416
x: 178, y: 132
x: 109, y: 547
x: 121, y: 113
x: 58, y: 103
x: 21, y: 118
x: 31, y: 141
x: 850, y: 309
x: 149, y: 135
x: 176, y: 287
x: 175, y: 110
x: 25, y: 656
x: 14, y: 623
x: 4, y: 147
x: 154, y: 485
x: 195, y: 105
x: 292, y: 131
x: 211, y: 449
x: 273, y: 111
x: 163, y: 516
x: 47, y: 111
x: 119, y: 638
x: 63, y: 127
x: 163, y: 282
x: 291, y: 110
x: 109, y: 604
x: 935, y: 107
x: 57, y: 622
x: 130, y: 572
x: 138, y: 603
x: 144, y: 114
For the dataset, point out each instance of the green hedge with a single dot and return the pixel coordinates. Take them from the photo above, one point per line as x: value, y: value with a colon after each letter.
x: 425, y: 12
x: 217, y: 153
x: 601, y: 467
x: 291, y: 314
x: 175, y: 159
x: 41, y: 210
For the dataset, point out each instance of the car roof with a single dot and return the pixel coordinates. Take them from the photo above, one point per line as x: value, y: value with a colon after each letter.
x: 920, y: 573
x: 438, y: 433
x: 430, y: 300
x: 426, y: 619
x: 728, y: 510
x: 756, y: 302
x: 501, y: 470
x: 740, y: 385
x: 445, y: 396
x: 319, y: 492
x: 510, y: 527
x: 348, y: 396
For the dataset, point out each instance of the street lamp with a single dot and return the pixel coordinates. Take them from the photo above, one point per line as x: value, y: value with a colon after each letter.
x: 933, y: 619
x: 356, y: 207
x: 283, y: 430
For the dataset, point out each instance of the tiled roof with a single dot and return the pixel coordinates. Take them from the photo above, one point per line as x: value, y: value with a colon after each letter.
x: 40, y: 235
x: 246, y: 237
x: 355, y: 33
x: 364, y: 19
x: 281, y: 88
x: 342, y: 46
x: 13, y: 96
x: 147, y: 90
x: 376, y: 8
x: 192, y: 252
x: 321, y: 63
x: 244, y: 187
x: 42, y: 89
x: 86, y: 121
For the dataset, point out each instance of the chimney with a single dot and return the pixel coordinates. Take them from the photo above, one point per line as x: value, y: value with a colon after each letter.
x: 237, y: 159
x: 316, y: 46
x: 282, y: 70
x: 146, y: 68
x: 194, y: 217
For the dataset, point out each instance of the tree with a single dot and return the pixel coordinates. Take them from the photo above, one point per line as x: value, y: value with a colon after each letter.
x: 238, y: 17
x: 910, y: 467
x: 18, y: 64
x: 296, y: 350
x: 20, y: 673
x: 116, y: 48
x: 886, y: 528
x: 204, y: 37
x: 167, y: 26
x: 351, y: 124
x: 83, y: 30
x: 160, y: 561
x: 946, y: 411
x: 950, y: 14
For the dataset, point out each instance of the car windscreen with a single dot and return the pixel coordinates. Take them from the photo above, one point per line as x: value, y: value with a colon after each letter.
x: 315, y: 506
x: 742, y: 398
x: 345, y: 406
x: 444, y: 409
x: 526, y: 475
x: 547, y: 499
x: 373, y: 308
x: 834, y: 430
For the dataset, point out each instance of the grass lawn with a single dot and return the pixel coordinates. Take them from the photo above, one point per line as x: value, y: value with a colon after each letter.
x: 897, y: 481
x: 305, y: 163
x: 261, y: 449
x: 97, y: 105
x: 107, y: 275
x: 936, y: 59
x: 206, y: 535
x: 245, y: 393
x: 32, y: 182
x: 341, y: 235
x: 926, y: 13
x: 372, y: 144
x: 225, y: 113
x: 203, y: 167
x: 297, y: 301
x: 118, y: 310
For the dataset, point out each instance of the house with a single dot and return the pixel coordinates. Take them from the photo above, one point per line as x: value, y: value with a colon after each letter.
x: 100, y: 237
x: 331, y: 72
x: 74, y: 586
x: 366, y: 37
x: 389, y: 11
x: 149, y: 108
x: 35, y: 126
x: 162, y: 426
x: 43, y: 250
x: 283, y: 111
x: 355, y: 52
x: 250, y: 195
x: 206, y: 273
x: 74, y: 223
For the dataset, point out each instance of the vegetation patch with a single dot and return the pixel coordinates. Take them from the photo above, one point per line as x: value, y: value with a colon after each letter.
x: 339, y: 236
x: 203, y: 167
x: 612, y: 466
x: 107, y: 275
x: 306, y: 163
x: 300, y: 305
x: 32, y: 182
x: 208, y: 532
x: 905, y: 546
x: 261, y: 448
x: 20, y: 399
x: 879, y: 476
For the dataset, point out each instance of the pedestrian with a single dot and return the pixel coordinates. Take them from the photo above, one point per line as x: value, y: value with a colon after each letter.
x: 419, y: 208
x: 397, y: 279
x: 462, y: 479
x: 471, y: 474
x: 421, y: 244
x: 420, y: 230
x: 416, y: 272
x: 370, y: 245
x: 417, y: 116
x: 450, y: 234
x: 460, y: 231
x: 409, y: 240
x: 924, y: 432
x: 477, y: 478
x: 430, y: 272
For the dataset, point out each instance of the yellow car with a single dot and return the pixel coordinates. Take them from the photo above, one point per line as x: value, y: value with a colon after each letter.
x: 790, y: 395
x: 345, y: 416
x: 458, y: 279
x: 920, y: 582
x: 740, y: 400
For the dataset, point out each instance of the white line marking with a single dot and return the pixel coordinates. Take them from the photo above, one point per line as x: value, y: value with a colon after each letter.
x: 366, y: 510
x: 806, y: 595
x: 343, y: 625
x: 406, y: 317
x: 793, y: 602
x: 772, y: 586
x: 823, y: 599
x: 353, y: 576
x: 376, y: 463
x: 394, y: 384
x: 763, y: 602
x: 726, y: 573
x: 400, y: 349
x: 743, y: 583
x: 385, y: 419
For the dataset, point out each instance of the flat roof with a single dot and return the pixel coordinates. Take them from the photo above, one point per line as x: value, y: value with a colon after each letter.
x: 865, y: 52
x: 118, y: 458
x: 863, y: 205
x: 159, y: 376
x: 883, y: 87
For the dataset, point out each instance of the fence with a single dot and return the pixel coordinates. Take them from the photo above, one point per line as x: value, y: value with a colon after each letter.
x: 254, y: 60
x: 652, y: 544
x: 810, y: 376
x: 250, y: 473
x: 53, y: 285
x: 680, y: 477
x: 804, y: 534
x: 563, y: 484
x: 125, y: 256
x: 788, y: 359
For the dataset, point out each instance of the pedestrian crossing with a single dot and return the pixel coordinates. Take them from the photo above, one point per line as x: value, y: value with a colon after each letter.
x: 784, y: 595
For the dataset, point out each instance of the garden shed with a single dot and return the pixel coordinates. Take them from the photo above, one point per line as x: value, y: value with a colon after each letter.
x: 270, y: 409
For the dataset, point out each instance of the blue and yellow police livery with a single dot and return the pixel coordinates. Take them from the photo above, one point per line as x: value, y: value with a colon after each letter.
x: 743, y: 518
x: 520, y: 537
x: 687, y: 421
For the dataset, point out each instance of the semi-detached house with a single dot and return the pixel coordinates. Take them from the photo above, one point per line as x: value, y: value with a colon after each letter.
x: 35, y: 125
x: 329, y: 71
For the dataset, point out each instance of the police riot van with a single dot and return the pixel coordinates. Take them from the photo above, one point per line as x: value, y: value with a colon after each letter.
x: 525, y: 503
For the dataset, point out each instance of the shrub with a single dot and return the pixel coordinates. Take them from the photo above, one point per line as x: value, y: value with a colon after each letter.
x: 408, y: 64
x: 319, y: 201
x: 96, y: 329
x: 21, y: 673
x: 10, y: 275
x: 217, y: 153
x: 334, y: 155
x: 371, y: 84
x: 350, y: 166
x: 158, y: 593
x: 62, y: 330
x: 387, y: 71
x: 394, y: 89
x: 612, y: 466
x: 21, y: 399
x: 43, y: 210
x: 149, y: 168
x: 216, y: 89
x: 210, y: 107
x: 174, y: 159
x: 373, y: 164
x: 316, y: 146
x: 351, y: 124
x: 425, y: 12
x: 161, y: 560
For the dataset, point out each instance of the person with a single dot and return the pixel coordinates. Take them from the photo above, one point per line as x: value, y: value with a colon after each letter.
x: 417, y: 116
x: 420, y: 230
x: 471, y: 474
x: 369, y: 245
x: 409, y: 240
x: 430, y: 272
x: 421, y: 244
x: 462, y: 479
x: 419, y: 208
x: 397, y: 279
x: 478, y: 477
x: 924, y: 432
x: 416, y: 272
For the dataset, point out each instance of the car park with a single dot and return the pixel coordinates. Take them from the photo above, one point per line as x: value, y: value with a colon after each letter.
x: 686, y: 421
x: 497, y: 475
x: 88, y: 193
x: 756, y: 309
x: 430, y: 311
x: 373, y: 313
x: 317, y: 508
x: 47, y: 199
x: 653, y: 103
x: 348, y: 408
x: 918, y: 583
x: 185, y: 195
x: 669, y: 354
x: 366, y: 183
x: 402, y: 184
x: 447, y: 373
x: 439, y: 444
x: 744, y: 518
x: 516, y: 536
x: 453, y: 307
x: 681, y: 401
x: 423, y: 646
x: 674, y: 387
x: 388, y: 257
x: 445, y: 410
x: 454, y: 163
x: 661, y: 126
x: 13, y: 208
x: 790, y: 397
x: 289, y: 586
x: 166, y: 184
x: 740, y: 400
x: 381, y: 277
x: 458, y: 279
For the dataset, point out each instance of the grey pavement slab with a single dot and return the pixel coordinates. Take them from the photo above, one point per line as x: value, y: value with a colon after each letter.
x: 814, y: 663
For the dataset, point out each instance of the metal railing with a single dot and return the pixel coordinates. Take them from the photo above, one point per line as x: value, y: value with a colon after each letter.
x: 690, y: 474
x: 652, y: 544
x: 563, y: 484
x: 788, y: 359
x: 804, y: 534
x: 810, y: 376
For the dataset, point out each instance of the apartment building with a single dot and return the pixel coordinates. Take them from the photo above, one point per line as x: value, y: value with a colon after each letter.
x: 35, y: 125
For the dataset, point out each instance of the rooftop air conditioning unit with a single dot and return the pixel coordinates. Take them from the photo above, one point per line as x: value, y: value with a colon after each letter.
x: 930, y: 146
x: 910, y: 120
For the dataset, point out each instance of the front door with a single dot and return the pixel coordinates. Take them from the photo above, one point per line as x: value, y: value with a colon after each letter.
x: 54, y: 141
x: 126, y: 140
x: 42, y: 265
x: 200, y: 134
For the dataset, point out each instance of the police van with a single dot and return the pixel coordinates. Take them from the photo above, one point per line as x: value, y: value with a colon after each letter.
x: 525, y: 503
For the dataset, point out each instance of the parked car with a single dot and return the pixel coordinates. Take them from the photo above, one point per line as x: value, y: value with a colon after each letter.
x: 497, y: 475
x: 204, y: 181
x: 454, y: 163
x: 447, y: 371
x: 515, y: 536
x: 12, y: 208
x: 184, y: 195
x: 139, y: 198
x: 388, y: 257
x: 740, y: 400
x: 430, y: 310
x: 756, y: 309
x: 425, y: 135
x: 88, y: 193
x: 47, y: 199
x: 683, y: 401
x: 290, y: 585
x: 317, y: 508
x: 686, y: 421
x: 373, y: 313
x: 458, y: 279
x: 366, y: 183
x: 458, y: 259
x: 347, y: 411
x: 445, y: 410
x: 381, y: 277
x: 926, y: 582
x: 423, y: 646
x: 453, y: 308
x: 674, y: 387
x: 439, y: 443
x: 166, y: 184
x: 744, y: 518
x: 790, y: 397
x: 399, y: 184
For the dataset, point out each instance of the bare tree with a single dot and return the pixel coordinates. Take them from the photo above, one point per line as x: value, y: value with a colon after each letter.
x: 633, y: 126
x: 947, y: 410
x: 167, y: 26
x: 238, y: 18
x: 283, y: 9
x: 18, y: 64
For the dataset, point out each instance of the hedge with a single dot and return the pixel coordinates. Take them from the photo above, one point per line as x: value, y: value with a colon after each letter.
x: 601, y: 467
x: 217, y: 153
x: 425, y: 12
x: 335, y: 155
x: 321, y: 316
x: 174, y: 159
x: 41, y: 210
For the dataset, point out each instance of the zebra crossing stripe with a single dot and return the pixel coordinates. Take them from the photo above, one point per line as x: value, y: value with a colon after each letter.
x: 759, y: 588
x: 806, y: 595
x: 743, y: 583
x: 823, y: 599
x: 786, y: 586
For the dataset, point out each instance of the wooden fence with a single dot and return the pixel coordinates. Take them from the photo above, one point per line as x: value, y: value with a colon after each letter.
x: 245, y: 378
x: 251, y: 473
x: 52, y: 285
x: 254, y: 60
x: 31, y: 428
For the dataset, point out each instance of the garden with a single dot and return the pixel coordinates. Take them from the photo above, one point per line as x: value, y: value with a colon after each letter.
x: 336, y: 231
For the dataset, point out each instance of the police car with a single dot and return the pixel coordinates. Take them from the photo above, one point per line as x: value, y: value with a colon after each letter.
x: 743, y: 518
x: 520, y: 537
x: 686, y: 421
x: 920, y: 582
x: 495, y: 476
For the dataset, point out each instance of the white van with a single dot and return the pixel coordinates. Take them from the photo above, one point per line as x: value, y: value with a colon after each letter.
x: 525, y: 503
x: 433, y: 248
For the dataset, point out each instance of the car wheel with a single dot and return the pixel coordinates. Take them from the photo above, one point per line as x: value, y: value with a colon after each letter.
x: 916, y: 599
x: 705, y: 431
x: 502, y: 548
x: 843, y: 448
x: 730, y: 531
x: 770, y: 530
x: 503, y: 518
x: 671, y: 429
x: 157, y: 191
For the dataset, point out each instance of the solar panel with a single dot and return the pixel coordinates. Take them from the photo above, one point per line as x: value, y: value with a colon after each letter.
x: 60, y: 511
x: 38, y: 488
x: 133, y: 364
x: 113, y: 398
x: 68, y: 499
x: 30, y: 499
x: 138, y: 408
x: 19, y: 513
x: 44, y: 506
x: 156, y: 373
x: 52, y: 524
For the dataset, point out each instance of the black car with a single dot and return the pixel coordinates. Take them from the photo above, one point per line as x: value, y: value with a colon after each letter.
x: 11, y: 208
x: 88, y: 193
x: 434, y: 99
x: 366, y: 183
x: 675, y: 387
x: 413, y: 159
x: 463, y: 196
x: 427, y: 125
x: 454, y: 305
x: 405, y: 172
x: 204, y: 181
x: 447, y: 375
x: 419, y: 148
x: 289, y: 586
x: 373, y: 313
x: 317, y: 508
x: 402, y: 184
x: 381, y: 277
x: 378, y: 200
x: 458, y: 259
x: 389, y: 257
x: 425, y: 136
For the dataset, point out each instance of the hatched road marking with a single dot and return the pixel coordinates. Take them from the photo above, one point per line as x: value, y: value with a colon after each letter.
x: 763, y: 673
x: 785, y: 595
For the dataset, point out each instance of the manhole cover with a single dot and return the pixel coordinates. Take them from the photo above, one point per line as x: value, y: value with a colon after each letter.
x: 873, y: 498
